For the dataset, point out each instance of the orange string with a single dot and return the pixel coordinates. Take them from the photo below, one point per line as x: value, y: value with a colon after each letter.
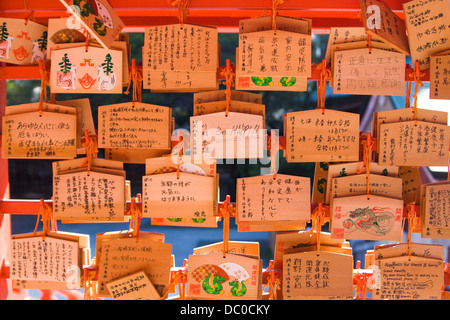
x: 44, y: 82
x: 325, y: 75
x: 275, y: 4
x: 418, y: 84
x: 28, y: 15
x: 90, y: 286
x: 88, y: 39
x: 91, y: 145
x: 45, y: 214
x: 182, y: 9
x: 369, y: 42
x: 367, y: 155
x: 317, y: 223
x: 226, y: 225
x: 136, y: 79
x: 411, y: 225
x: 274, y: 147
x: 135, y: 221
x: 229, y: 82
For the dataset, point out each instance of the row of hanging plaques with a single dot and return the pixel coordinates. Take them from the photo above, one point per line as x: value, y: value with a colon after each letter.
x: 130, y: 268
x: 88, y: 54
x: 366, y: 198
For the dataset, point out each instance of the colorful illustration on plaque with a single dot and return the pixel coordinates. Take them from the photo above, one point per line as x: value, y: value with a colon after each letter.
x: 287, y: 82
x: 103, y: 18
x: 106, y: 76
x: 67, y: 74
x: 377, y: 220
x: 321, y: 185
x: 213, y: 278
x: 262, y: 81
x: 87, y: 81
x: 5, y: 41
x: 239, y: 278
x: 21, y: 53
x: 39, y: 51
x: 68, y: 36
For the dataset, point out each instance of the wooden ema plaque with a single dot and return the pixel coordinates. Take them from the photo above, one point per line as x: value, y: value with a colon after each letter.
x: 385, y: 24
x: 363, y: 218
x: 199, y: 214
x: 269, y: 61
x: 378, y: 72
x: 22, y: 42
x: 265, y: 199
x: 136, y: 286
x: 440, y: 76
x: 313, y: 136
x: 435, y: 210
x: 28, y: 134
x: 97, y: 70
x: 351, y: 169
x: 164, y: 195
x: 50, y: 260
x: 343, y: 35
x: 181, y: 58
x: 411, y: 184
x: 402, y: 274
x: 310, y: 276
x: 233, y: 136
x: 98, y: 17
x: 134, y: 126
x: 414, y: 143
x: 123, y: 257
x: 291, y: 241
x: 97, y: 195
x: 230, y: 277
x: 428, y: 29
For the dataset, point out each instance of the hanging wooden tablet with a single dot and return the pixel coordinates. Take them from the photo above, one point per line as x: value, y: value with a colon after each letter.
x: 123, y: 257
x: 366, y: 218
x: 221, y: 136
x: 311, y: 276
x: 136, y: 286
x: 313, y: 136
x: 414, y: 143
x: 440, y: 76
x: 274, y: 61
x: 84, y: 119
x: 408, y: 276
x: 89, y: 194
x: 30, y: 134
x: 286, y: 241
x: 134, y: 125
x: 266, y: 199
x: 320, y: 181
x: 250, y: 248
x: 95, y: 70
x: 353, y: 46
x: 357, y: 185
x: 352, y: 168
x: 123, y: 234
x: 435, y: 210
x: 405, y: 114
x: 234, y: 106
x: 229, y: 277
x: 180, y: 58
x: 98, y: 17
x: 428, y: 30
x: 421, y: 250
x: 411, y: 184
x: 22, y: 42
x: 361, y: 72
x: 165, y: 191
x: 385, y: 24
x: 49, y: 259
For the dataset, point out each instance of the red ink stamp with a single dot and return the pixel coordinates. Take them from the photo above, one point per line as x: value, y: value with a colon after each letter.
x: 244, y: 82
